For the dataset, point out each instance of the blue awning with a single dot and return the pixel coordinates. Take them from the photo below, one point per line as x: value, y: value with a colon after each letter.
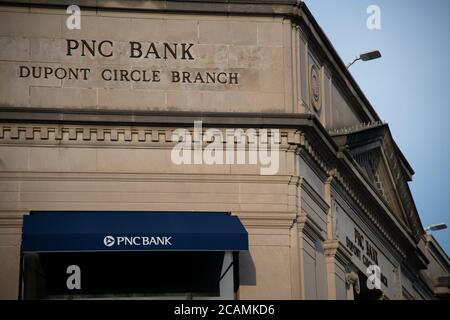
x: 65, y: 231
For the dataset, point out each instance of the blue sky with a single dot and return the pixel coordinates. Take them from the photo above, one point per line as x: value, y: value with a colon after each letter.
x: 409, y: 87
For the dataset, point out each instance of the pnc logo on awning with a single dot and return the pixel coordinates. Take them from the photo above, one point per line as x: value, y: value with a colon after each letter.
x: 110, y: 241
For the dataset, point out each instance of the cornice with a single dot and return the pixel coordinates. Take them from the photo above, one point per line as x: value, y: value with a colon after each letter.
x: 302, y: 132
x: 143, y: 177
x: 251, y: 7
x: 92, y: 135
x: 126, y: 117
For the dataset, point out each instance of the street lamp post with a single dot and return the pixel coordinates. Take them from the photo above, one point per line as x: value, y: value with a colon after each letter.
x: 436, y: 227
x: 366, y: 56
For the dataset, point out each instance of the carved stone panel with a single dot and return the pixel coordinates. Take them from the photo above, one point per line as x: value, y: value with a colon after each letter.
x: 315, y: 88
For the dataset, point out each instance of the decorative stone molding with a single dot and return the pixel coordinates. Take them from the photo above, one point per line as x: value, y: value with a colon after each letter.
x: 308, y: 227
x: 315, y: 88
x: 349, y: 189
x: 302, y: 143
x: 143, y: 177
x: 10, y: 221
x: 334, y: 249
x: 50, y: 134
x: 282, y: 220
x: 355, y: 128
x: 105, y: 135
x: 292, y: 140
x: 368, y: 212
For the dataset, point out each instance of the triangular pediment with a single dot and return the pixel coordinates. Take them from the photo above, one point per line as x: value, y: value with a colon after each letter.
x: 378, y: 157
x: 375, y: 166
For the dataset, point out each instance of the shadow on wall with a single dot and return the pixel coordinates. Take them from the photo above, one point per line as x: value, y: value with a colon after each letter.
x: 247, y: 270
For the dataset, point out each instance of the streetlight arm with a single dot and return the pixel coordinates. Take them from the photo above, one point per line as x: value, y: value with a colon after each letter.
x: 366, y: 56
x: 352, y: 62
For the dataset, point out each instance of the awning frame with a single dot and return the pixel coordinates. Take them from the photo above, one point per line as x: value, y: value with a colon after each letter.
x: 81, y: 231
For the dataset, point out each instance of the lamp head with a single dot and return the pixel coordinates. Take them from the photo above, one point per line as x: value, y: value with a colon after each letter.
x: 370, y: 55
x: 436, y: 227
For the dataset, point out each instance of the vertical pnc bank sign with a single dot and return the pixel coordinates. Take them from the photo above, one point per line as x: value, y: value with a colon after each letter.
x: 142, y: 61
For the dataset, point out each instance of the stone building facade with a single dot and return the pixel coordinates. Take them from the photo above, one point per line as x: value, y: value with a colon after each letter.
x: 87, y: 119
